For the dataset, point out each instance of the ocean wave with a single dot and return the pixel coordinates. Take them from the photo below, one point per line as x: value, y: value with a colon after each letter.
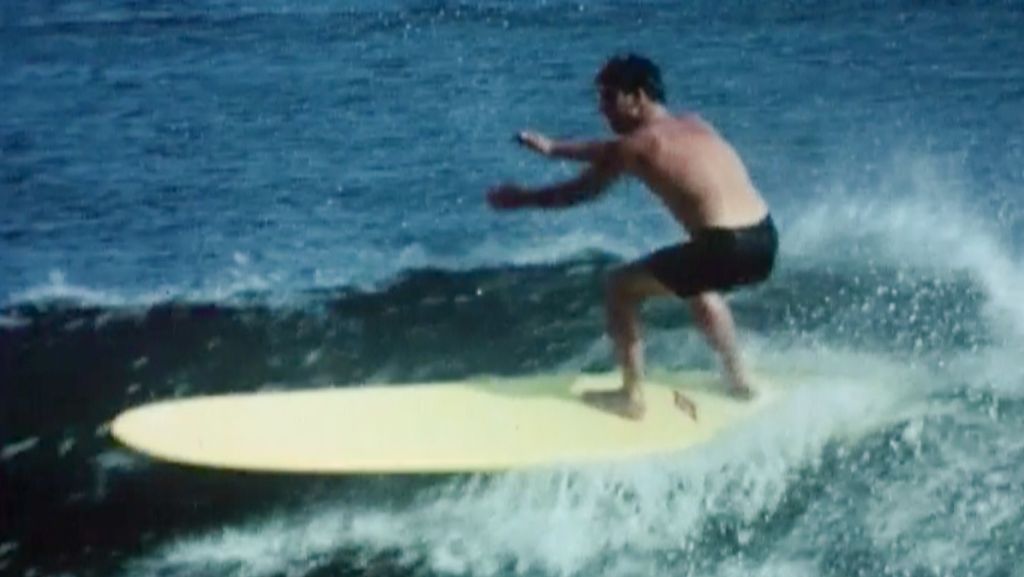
x: 874, y: 301
x: 893, y: 350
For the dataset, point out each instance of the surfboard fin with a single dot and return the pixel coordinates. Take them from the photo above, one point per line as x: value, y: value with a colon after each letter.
x: 685, y: 404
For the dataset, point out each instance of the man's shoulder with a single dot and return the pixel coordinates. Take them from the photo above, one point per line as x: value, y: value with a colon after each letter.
x: 635, y: 145
x: 652, y: 137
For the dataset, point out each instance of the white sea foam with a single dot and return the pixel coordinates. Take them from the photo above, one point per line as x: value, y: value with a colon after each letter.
x: 57, y: 288
x: 16, y: 448
x: 915, y: 218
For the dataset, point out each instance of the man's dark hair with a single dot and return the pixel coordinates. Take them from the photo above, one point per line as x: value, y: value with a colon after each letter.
x: 631, y: 72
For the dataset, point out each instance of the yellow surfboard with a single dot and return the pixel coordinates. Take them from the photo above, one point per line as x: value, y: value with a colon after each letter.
x: 480, y: 425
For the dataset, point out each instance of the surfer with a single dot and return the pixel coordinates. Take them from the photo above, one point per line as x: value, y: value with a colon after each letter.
x: 703, y: 183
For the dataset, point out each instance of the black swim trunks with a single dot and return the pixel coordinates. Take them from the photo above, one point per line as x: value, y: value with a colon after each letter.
x: 716, y: 259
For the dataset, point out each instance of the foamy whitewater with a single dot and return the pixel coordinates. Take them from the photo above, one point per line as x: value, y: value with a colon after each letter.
x: 216, y: 198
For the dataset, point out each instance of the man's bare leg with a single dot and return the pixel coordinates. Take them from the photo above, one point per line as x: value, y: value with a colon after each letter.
x: 715, y: 319
x: 627, y: 288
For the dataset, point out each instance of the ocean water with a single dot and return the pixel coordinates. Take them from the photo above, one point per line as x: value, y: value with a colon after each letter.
x: 216, y: 196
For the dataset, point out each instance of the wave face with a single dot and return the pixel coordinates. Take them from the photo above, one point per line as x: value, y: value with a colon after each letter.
x: 210, y: 198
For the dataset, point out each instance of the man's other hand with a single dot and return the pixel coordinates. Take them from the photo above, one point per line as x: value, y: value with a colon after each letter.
x: 507, y: 197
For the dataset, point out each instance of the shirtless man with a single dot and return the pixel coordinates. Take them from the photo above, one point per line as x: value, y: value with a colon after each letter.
x: 701, y: 181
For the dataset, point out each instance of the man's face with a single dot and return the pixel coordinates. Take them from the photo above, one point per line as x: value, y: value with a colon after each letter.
x: 617, y: 107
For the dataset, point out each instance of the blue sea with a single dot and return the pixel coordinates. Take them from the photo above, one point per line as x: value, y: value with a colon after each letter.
x: 209, y: 196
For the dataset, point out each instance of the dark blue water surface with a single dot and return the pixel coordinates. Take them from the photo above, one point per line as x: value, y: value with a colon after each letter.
x: 203, y: 197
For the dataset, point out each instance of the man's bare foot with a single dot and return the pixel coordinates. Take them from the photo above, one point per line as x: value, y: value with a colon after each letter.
x: 742, y: 392
x: 685, y: 404
x: 739, y: 384
x: 618, y: 402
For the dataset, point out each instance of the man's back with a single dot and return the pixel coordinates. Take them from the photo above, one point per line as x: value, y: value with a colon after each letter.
x: 696, y: 173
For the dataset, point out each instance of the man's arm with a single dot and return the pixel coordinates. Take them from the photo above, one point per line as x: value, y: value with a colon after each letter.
x: 585, y: 187
x: 583, y: 151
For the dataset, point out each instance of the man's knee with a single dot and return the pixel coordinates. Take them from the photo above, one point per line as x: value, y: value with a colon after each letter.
x: 705, y: 305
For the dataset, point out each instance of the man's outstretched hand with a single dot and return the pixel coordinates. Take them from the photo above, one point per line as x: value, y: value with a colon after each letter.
x: 536, y: 142
x: 513, y: 196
